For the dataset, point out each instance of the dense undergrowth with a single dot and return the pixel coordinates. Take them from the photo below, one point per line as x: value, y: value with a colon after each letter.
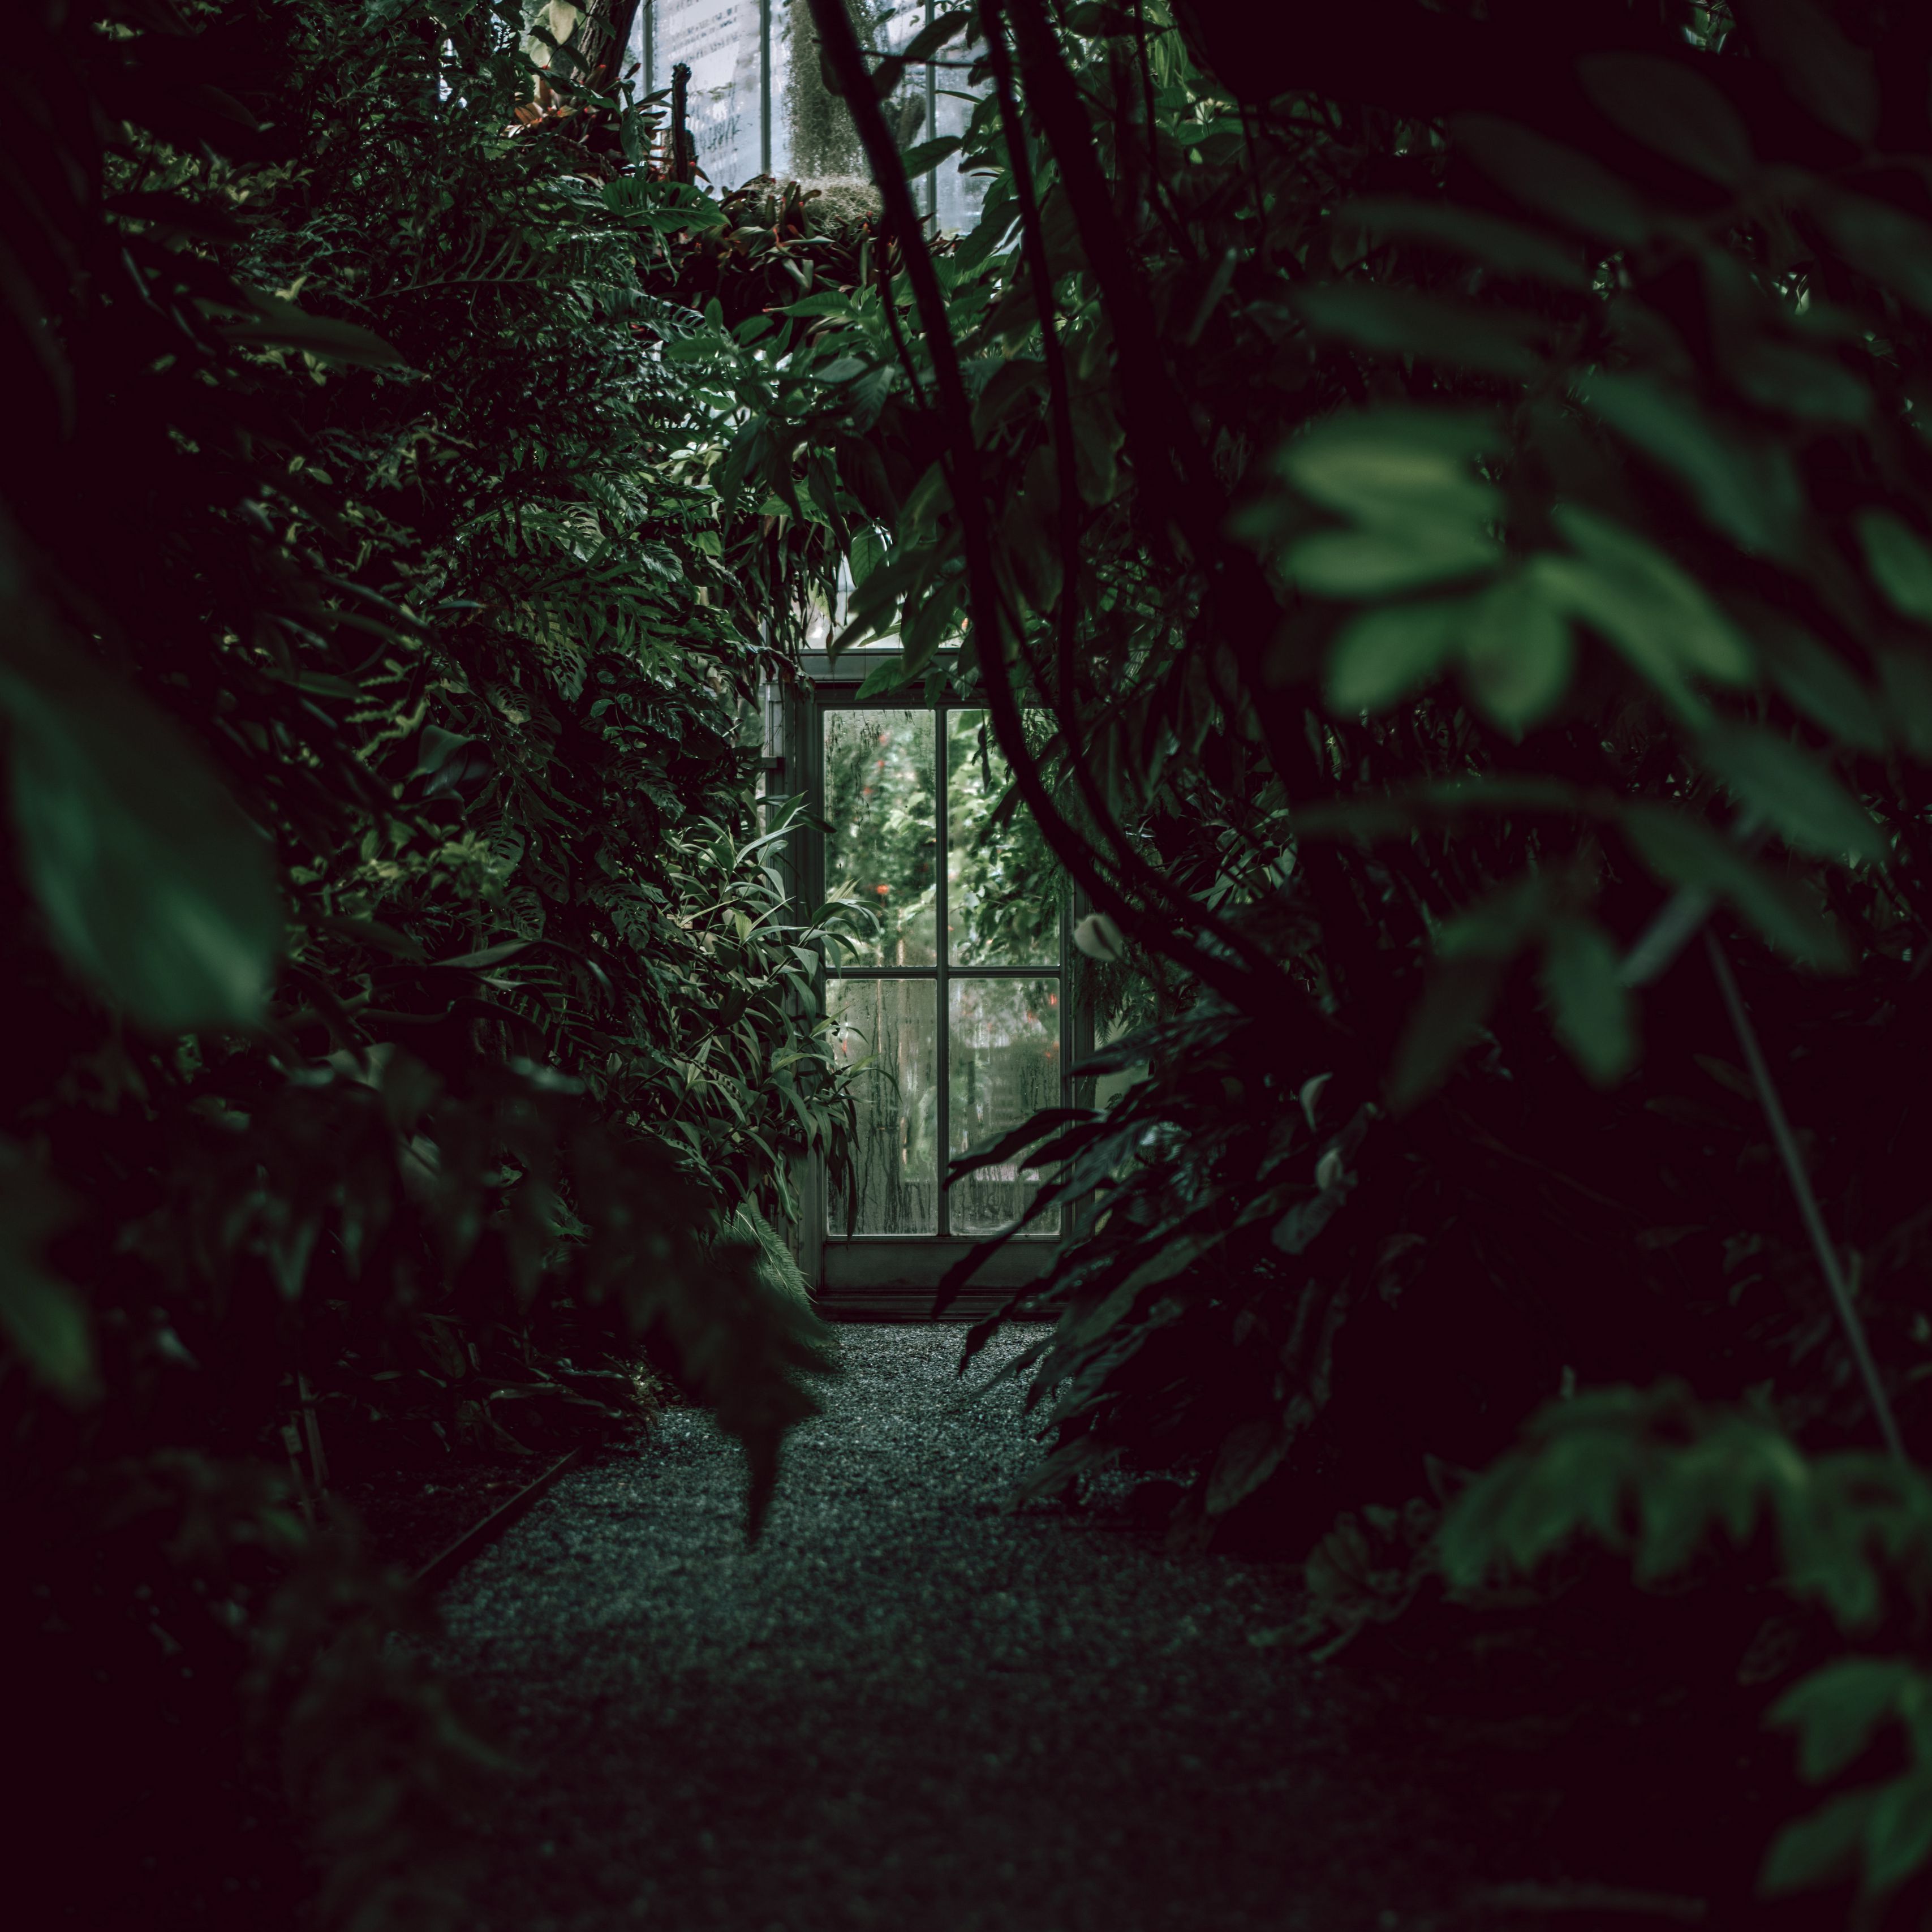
x: 1455, y: 476
x: 409, y: 1029
x: 1465, y: 515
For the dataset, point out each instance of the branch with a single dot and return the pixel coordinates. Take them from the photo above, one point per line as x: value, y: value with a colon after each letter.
x: 1241, y: 989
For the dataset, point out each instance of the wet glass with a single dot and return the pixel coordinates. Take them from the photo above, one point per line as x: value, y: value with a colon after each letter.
x: 1003, y: 888
x: 881, y: 852
x: 1004, y: 1066
x: 892, y: 1026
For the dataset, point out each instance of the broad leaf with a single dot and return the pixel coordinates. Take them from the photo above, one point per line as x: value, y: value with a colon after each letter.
x: 1906, y: 677
x: 1396, y: 322
x: 1684, y: 851
x: 1836, y: 1709
x: 1749, y: 491
x: 1517, y: 652
x: 1396, y: 464
x: 1803, y: 383
x: 1384, y: 654
x: 1900, y: 561
x: 1823, y: 69
x: 153, y: 885
x: 1590, y: 1009
x: 1383, y: 560
x: 1794, y: 792
x: 1557, y: 180
x: 1818, y: 1849
x: 1505, y: 246
x: 927, y: 155
x: 1893, y: 248
x: 42, y: 1317
x: 1818, y: 683
x: 1898, y: 1839
x: 1664, y: 105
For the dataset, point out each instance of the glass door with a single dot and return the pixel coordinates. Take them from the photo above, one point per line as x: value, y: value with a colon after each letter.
x: 952, y: 1001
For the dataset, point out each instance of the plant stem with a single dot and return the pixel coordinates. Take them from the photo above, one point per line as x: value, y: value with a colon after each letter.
x: 1808, y: 1202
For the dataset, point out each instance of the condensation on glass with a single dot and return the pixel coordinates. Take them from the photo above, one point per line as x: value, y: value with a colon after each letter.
x: 758, y: 104
x: 889, y: 1029
x: 1003, y: 1038
x: 997, y: 1059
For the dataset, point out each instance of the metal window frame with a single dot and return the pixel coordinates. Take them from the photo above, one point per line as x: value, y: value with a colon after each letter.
x: 886, y: 1275
x: 642, y: 35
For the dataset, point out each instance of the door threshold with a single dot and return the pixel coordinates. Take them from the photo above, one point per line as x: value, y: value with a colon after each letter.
x: 911, y: 1306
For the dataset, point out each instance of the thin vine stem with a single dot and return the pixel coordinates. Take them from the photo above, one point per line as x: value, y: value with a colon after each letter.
x: 1807, y: 1201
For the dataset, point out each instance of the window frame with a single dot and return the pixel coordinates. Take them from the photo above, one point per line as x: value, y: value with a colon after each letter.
x: 889, y: 1274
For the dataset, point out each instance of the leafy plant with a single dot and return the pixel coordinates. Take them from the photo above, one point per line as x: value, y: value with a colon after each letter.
x: 1652, y: 1474
x: 415, y: 1033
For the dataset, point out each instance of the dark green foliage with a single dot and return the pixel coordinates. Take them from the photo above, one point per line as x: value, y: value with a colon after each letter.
x: 1455, y: 484
x: 406, y: 1025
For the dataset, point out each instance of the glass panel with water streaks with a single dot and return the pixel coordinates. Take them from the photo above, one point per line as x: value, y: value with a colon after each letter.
x: 1003, y: 886
x: 1004, y: 1067
x: 895, y: 1150
x: 880, y: 852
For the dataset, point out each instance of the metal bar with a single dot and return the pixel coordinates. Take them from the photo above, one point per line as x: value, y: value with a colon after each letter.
x: 1046, y: 971
x: 441, y: 1568
x: 930, y: 131
x: 765, y: 86
x: 680, y: 141
x: 1808, y: 1202
x: 943, y: 1093
x: 650, y: 46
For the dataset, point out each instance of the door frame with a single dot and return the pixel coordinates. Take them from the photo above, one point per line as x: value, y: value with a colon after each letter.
x: 890, y: 1276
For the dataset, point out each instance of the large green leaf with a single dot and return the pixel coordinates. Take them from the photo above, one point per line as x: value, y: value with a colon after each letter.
x: 1507, y: 247
x: 1892, y: 248
x: 1749, y: 490
x: 1589, y: 1006
x: 1833, y: 78
x: 1900, y: 561
x: 1636, y: 597
x: 1820, y: 684
x: 1664, y: 105
x: 1388, y: 653
x: 1685, y: 851
x: 1517, y: 652
x: 1794, y: 792
x: 154, y: 886
x: 1836, y: 1709
x: 1555, y: 179
x: 1816, y: 1850
x: 1383, y: 560
x: 1801, y: 381
x: 42, y: 1317
x: 1396, y: 464
x: 1396, y: 322
x: 1906, y: 676
x: 1898, y: 1840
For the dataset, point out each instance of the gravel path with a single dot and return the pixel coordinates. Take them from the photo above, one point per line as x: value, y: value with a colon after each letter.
x: 906, y: 1708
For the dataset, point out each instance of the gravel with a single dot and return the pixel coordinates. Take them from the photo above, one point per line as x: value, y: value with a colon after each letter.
x: 908, y: 1707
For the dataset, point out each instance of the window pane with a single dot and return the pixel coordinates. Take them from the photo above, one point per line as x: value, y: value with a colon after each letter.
x: 894, y: 1152
x: 1003, y: 886
x: 1004, y: 1067
x: 879, y: 802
